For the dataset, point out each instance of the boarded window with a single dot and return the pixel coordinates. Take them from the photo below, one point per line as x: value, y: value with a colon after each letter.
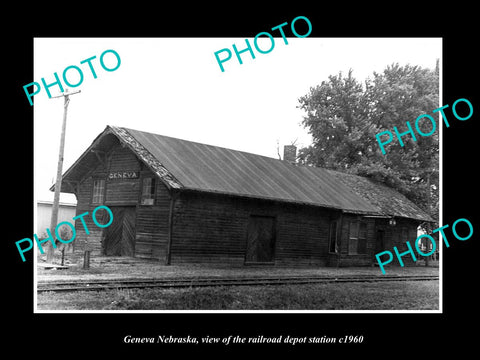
x: 357, y: 242
x: 333, y: 238
x: 98, y: 191
x: 148, y: 191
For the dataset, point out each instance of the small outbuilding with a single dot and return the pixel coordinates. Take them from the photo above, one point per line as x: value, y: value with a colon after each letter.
x: 180, y: 201
x: 66, y: 211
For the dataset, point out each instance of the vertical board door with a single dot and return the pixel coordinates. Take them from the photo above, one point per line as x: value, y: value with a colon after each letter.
x: 119, y: 237
x: 379, y: 242
x: 260, y: 239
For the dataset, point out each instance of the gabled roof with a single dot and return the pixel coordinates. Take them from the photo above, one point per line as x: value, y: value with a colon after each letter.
x: 193, y: 166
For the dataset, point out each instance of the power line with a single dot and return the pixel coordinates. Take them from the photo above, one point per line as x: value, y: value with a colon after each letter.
x: 58, y: 182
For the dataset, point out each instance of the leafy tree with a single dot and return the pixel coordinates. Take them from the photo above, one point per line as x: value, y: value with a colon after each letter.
x: 343, y: 116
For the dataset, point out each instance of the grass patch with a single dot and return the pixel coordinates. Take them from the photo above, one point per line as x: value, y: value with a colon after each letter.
x: 404, y: 295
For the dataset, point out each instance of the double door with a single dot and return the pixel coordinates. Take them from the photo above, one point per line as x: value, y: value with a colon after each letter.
x: 119, y: 237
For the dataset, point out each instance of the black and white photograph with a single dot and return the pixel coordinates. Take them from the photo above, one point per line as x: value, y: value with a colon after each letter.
x: 300, y: 182
x: 187, y: 186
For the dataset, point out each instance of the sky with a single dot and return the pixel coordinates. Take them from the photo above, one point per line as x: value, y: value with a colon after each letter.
x: 174, y: 87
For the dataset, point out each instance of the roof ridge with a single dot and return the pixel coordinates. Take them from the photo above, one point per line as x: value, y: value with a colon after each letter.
x: 190, y: 165
x: 210, y: 145
x: 218, y: 169
x: 147, y: 157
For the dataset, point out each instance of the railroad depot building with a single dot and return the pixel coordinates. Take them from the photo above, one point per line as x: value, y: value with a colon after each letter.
x: 181, y: 201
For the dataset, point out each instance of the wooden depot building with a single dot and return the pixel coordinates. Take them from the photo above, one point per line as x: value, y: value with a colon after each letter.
x: 181, y: 201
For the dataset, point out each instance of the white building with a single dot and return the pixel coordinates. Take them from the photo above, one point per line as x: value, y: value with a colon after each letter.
x: 66, y: 211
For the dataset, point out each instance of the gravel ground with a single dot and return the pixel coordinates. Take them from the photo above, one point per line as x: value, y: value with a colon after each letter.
x: 124, y: 268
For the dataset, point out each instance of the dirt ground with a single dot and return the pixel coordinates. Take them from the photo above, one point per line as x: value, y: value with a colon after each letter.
x: 403, y: 295
x: 134, y: 268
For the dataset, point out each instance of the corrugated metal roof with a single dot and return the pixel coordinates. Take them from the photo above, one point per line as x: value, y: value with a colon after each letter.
x: 215, y: 169
x: 390, y: 201
x: 183, y: 164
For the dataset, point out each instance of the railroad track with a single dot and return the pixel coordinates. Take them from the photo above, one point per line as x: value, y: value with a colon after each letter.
x: 97, y: 285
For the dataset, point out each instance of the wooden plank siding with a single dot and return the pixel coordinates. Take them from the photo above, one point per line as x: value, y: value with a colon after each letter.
x: 92, y: 241
x: 151, y: 223
x: 348, y: 259
x: 206, y: 230
x: 208, y: 227
x: 404, y: 230
x: 212, y: 228
x: 123, y: 191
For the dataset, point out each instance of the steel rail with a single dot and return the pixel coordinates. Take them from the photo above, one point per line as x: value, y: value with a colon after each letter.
x: 112, y: 284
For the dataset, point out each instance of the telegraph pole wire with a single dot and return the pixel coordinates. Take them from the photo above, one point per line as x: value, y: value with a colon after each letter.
x: 58, y: 182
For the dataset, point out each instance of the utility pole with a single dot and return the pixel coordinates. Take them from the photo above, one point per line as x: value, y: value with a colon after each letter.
x: 58, y: 182
x: 429, y: 199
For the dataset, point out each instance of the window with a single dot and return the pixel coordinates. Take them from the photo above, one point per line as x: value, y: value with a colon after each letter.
x: 362, y: 239
x: 148, y: 191
x: 98, y: 191
x: 357, y: 242
x: 332, y: 247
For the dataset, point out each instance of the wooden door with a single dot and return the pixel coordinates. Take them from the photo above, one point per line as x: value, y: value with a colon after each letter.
x: 260, y: 239
x: 380, y: 242
x: 119, y: 237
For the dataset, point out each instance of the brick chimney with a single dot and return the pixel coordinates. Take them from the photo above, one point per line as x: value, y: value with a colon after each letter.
x: 290, y: 154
